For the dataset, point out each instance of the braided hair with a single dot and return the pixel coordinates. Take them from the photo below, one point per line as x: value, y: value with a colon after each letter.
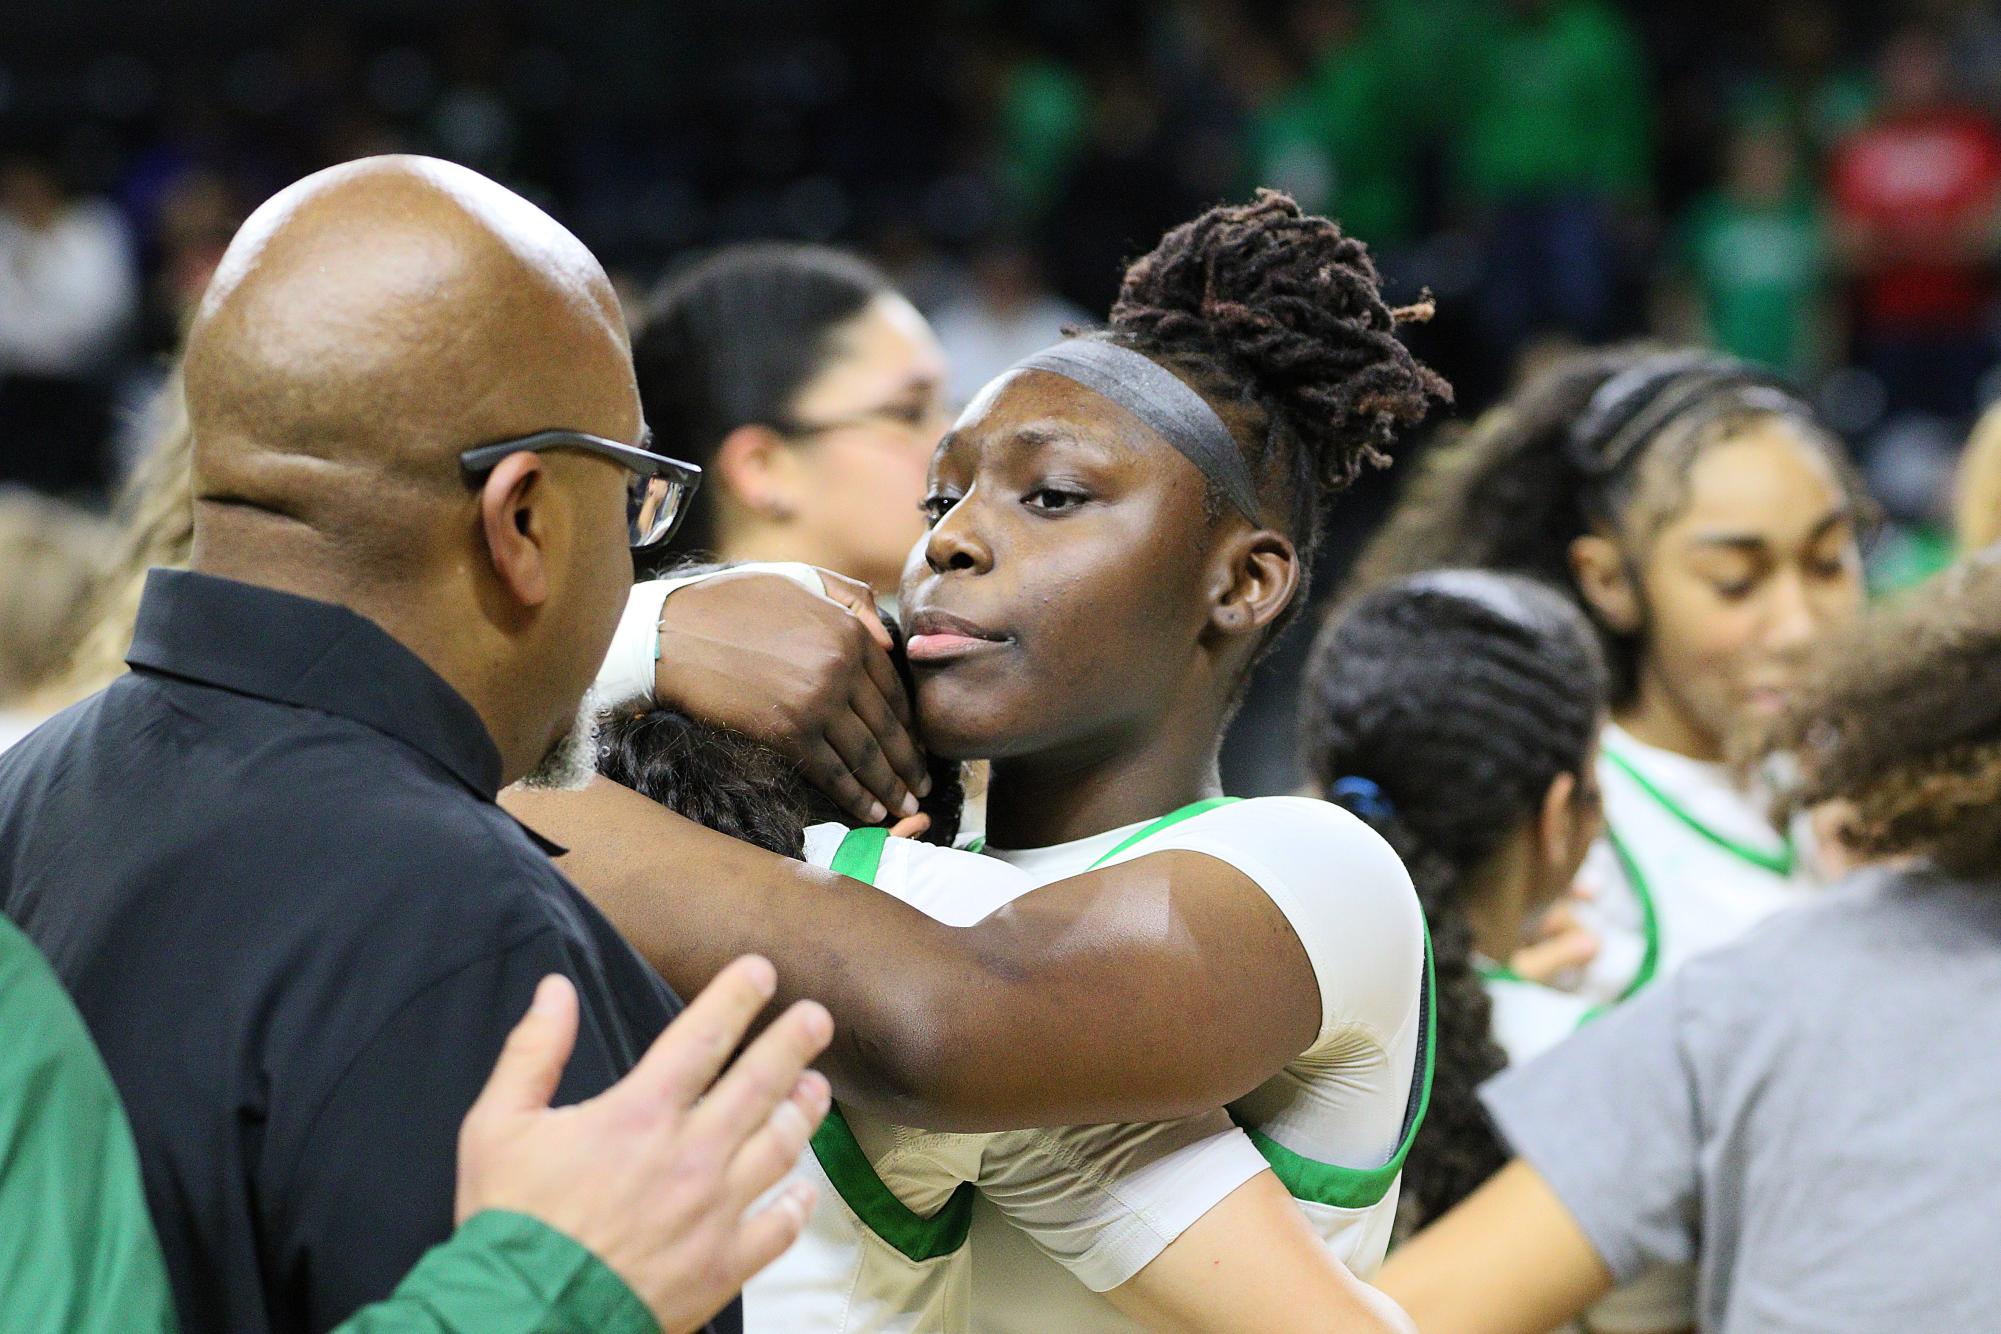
x: 1277, y: 318
x: 1439, y: 709
x: 1602, y: 442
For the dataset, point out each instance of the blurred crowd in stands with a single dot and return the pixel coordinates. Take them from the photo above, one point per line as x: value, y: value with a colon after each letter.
x: 1809, y: 184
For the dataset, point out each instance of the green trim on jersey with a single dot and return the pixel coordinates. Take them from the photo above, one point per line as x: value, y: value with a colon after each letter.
x: 1650, y: 926
x: 840, y: 1153
x: 909, y: 1232
x: 920, y: 1238
x: 1173, y: 817
x: 1359, y: 1187
x: 1305, y: 1178
x: 1780, y: 863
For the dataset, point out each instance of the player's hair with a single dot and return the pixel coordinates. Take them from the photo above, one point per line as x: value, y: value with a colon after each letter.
x: 733, y: 339
x: 1900, y: 718
x: 1601, y: 442
x: 720, y: 779
x: 1277, y: 318
x: 1440, y: 708
x: 725, y: 781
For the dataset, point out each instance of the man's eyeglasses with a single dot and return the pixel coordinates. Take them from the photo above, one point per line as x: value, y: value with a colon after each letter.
x: 656, y: 494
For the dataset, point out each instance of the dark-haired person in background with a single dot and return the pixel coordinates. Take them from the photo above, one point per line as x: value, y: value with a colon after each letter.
x: 1807, y: 1116
x: 1457, y: 713
x: 1707, y: 521
x: 810, y: 392
x: 1119, y: 526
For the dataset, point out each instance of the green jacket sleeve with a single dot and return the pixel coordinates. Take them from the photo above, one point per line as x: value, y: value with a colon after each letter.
x: 506, y: 1273
x: 77, y: 1248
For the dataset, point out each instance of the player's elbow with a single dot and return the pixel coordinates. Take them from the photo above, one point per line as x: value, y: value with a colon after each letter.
x: 940, y: 1054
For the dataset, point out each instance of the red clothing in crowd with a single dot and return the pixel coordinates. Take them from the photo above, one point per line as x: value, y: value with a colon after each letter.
x: 1925, y: 182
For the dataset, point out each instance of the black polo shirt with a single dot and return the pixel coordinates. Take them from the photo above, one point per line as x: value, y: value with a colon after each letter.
x: 269, y: 867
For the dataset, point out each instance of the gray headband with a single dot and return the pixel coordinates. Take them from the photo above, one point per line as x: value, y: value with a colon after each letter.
x: 1158, y: 397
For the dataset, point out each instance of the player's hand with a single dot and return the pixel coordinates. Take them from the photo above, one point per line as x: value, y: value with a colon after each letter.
x: 1561, y: 943
x: 656, y: 1175
x: 807, y: 675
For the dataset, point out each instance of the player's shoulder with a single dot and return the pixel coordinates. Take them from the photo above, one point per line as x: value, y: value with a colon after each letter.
x: 1297, y: 828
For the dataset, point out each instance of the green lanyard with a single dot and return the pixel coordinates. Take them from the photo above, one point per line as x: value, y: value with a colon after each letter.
x: 1780, y: 863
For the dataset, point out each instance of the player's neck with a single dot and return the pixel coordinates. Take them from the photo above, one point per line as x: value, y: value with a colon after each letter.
x: 1041, y: 800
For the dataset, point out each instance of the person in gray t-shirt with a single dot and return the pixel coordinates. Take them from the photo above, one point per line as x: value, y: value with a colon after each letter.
x: 1811, y: 1116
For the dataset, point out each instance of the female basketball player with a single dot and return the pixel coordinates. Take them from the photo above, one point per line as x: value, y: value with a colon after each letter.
x: 1118, y: 527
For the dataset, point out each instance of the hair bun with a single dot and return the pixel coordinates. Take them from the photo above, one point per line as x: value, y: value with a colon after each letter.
x: 1293, y: 308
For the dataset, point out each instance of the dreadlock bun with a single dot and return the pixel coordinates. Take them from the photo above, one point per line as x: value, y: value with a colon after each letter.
x: 1282, y: 313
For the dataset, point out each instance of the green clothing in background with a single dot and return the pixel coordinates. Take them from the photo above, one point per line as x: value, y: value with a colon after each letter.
x: 1044, y: 119
x: 1761, y: 273
x: 77, y: 1250
x: 1340, y: 142
x: 1557, y: 104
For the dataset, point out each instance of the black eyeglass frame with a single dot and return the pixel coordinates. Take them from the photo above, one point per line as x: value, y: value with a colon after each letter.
x: 636, y: 459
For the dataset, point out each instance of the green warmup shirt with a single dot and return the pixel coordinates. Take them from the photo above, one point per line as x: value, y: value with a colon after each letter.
x: 1555, y: 105
x: 77, y: 1251
x: 1761, y: 272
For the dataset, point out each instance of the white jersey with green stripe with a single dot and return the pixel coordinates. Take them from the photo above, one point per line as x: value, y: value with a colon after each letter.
x: 1688, y: 862
x: 1063, y: 1215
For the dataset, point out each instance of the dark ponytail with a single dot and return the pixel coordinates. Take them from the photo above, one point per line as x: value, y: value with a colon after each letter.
x: 1439, y: 709
x: 732, y: 340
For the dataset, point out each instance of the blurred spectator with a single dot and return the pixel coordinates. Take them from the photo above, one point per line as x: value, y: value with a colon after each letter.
x: 1126, y: 190
x: 1811, y: 87
x: 49, y: 551
x: 1916, y: 198
x: 1755, y: 253
x: 1553, y: 139
x: 810, y: 392
x: 198, y: 212
x: 1042, y: 119
x: 1006, y: 314
x: 1337, y: 140
x: 155, y: 527
x: 67, y: 293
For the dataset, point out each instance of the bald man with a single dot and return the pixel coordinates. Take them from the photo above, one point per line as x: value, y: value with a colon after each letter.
x: 267, y: 863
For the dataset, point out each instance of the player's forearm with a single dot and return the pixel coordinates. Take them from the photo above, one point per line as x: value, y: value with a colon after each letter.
x: 1252, y: 1265
x: 1060, y: 1011
x: 1509, y: 1260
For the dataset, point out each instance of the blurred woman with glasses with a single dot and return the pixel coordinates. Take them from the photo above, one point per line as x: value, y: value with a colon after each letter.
x: 810, y: 392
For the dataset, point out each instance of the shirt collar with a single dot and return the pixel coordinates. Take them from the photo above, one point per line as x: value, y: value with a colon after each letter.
x: 279, y: 646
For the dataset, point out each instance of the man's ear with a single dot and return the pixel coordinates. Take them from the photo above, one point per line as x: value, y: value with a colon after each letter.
x: 1605, y: 580
x: 513, y: 515
x: 750, y: 465
x: 1257, y: 574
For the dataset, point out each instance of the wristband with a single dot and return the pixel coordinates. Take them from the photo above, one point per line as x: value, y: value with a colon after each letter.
x: 630, y: 664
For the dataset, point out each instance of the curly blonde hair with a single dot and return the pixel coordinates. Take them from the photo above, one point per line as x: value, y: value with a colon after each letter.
x: 1901, y: 721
